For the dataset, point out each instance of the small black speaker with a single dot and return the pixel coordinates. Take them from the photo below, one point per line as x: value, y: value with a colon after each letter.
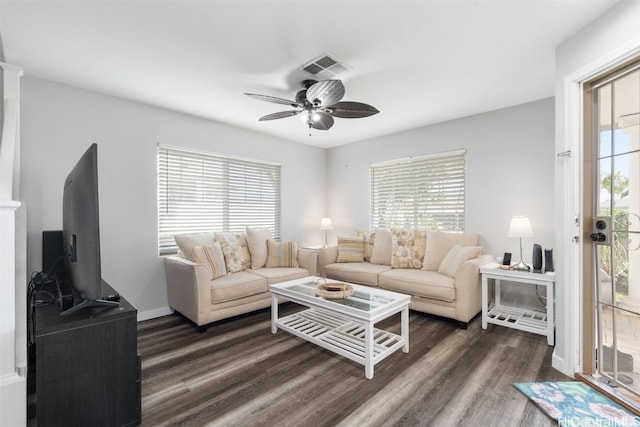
x: 52, y: 250
x: 537, y: 258
x: 548, y: 260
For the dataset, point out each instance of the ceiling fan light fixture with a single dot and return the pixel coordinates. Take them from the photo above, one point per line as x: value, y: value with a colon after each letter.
x: 317, y: 104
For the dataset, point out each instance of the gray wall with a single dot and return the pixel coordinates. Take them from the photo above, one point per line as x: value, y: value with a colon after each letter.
x: 509, y: 172
x: 510, y: 162
x: 60, y: 122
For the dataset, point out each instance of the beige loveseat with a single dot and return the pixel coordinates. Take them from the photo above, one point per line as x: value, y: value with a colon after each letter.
x: 439, y: 270
x: 220, y: 275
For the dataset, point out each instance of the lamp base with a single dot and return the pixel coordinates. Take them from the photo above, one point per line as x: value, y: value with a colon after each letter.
x: 521, y: 266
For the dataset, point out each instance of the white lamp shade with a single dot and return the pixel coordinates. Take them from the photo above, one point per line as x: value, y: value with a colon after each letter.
x: 520, y: 227
x: 325, y: 224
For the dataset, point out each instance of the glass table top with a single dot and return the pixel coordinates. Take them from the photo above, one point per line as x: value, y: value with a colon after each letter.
x: 363, y: 298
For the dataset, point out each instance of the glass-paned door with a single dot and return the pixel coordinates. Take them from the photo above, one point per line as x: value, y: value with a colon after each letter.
x: 616, y: 229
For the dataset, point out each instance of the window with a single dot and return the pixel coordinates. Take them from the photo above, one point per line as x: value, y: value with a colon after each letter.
x: 200, y: 192
x: 426, y: 192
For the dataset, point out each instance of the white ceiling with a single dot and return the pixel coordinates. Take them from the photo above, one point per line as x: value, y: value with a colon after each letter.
x: 418, y: 62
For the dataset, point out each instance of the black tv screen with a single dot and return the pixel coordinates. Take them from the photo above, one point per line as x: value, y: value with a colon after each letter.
x: 81, y: 233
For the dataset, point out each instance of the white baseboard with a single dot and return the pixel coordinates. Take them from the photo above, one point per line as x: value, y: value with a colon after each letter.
x: 560, y: 364
x: 152, y: 314
x: 13, y: 400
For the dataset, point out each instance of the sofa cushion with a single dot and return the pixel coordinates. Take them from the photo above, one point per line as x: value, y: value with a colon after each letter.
x: 407, y: 248
x: 426, y: 284
x: 282, y: 254
x: 350, y: 249
x: 257, y: 243
x: 369, y: 240
x: 363, y: 273
x: 211, y: 256
x: 381, y: 253
x: 456, y: 256
x: 237, y: 285
x: 439, y: 244
x: 280, y: 274
x: 186, y: 242
x: 235, y: 250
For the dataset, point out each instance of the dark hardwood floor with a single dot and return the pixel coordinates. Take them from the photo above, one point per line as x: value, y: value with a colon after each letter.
x: 238, y: 374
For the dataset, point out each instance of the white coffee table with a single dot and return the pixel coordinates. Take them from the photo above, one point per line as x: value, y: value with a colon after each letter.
x: 344, y: 326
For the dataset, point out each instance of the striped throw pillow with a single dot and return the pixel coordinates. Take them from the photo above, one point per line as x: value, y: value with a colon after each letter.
x: 282, y: 254
x: 211, y: 256
x: 350, y: 249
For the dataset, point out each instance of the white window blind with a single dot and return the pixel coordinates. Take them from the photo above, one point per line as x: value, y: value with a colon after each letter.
x: 201, y: 192
x: 426, y: 192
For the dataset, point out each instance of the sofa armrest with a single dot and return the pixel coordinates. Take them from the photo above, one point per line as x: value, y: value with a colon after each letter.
x: 188, y: 288
x: 326, y: 255
x: 468, y: 288
x: 308, y: 259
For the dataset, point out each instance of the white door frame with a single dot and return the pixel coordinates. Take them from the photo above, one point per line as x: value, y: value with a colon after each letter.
x: 568, y: 358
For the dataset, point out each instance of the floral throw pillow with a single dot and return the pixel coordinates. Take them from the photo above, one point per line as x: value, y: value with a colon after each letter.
x: 236, y: 251
x: 407, y: 248
x: 369, y: 240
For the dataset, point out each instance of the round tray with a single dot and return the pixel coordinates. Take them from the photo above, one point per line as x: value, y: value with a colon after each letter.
x: 334, y: 290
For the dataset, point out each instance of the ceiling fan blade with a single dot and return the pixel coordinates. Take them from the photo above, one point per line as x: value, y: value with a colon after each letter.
x: 273, y: 99
x: 352, y: 110
x: 280, y: 115
x: 325, y: 92
x: 321, y: 121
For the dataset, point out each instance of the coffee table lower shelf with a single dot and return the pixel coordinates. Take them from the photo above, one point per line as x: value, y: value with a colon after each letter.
x: 340, y: 335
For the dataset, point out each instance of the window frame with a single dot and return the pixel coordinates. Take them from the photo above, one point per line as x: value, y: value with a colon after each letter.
x: 393, y: 182
x: 215, y: 192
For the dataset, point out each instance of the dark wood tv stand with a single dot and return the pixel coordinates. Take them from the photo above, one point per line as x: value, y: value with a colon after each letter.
x: 86, y: 365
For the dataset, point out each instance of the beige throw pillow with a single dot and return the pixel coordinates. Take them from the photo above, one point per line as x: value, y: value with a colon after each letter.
x: 369, y: 241
x: 212, y: 258
x: 381, y: 253
x: 350, y: 249
x: 257, y: 242
x: 235, y: 250
x: 282, y: 254
x: 439, y: 243
x: 456, y: 256
x: 186, y: 242
x: 407, y: 247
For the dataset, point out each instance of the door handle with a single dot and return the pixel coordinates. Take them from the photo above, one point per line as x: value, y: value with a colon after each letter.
x: 598, y: 237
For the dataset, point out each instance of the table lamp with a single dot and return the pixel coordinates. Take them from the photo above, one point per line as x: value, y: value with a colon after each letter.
x: 325, y: 224
x: 520, y: 227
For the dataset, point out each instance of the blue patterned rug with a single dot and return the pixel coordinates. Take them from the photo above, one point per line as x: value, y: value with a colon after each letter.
x: 577, y: 404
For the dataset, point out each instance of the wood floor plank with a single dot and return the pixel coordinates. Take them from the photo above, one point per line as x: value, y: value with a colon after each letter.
x: 239, y: 374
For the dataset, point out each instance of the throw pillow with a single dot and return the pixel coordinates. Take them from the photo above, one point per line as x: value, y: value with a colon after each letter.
x: 407, y: 247
x: 212, y: 258
x: 257, y: 242
x: 235, y: 250
x: 186, y: 242
x: 350, y: 249
x: 456, y: 256
x: 369, y: 240
x: 282, y: 254
x: 381, y: 253
x: 439, y: 243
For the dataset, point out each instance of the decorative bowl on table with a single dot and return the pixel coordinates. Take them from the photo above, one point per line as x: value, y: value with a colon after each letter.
x: 328, y: 289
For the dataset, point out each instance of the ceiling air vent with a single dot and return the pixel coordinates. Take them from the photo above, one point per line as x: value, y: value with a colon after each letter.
x: 324, y: 67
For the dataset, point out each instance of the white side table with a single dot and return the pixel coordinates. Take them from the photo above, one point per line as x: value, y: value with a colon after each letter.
x: 537, y: 322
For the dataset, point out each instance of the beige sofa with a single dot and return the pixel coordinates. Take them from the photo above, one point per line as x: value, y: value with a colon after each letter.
x: 226, y: 280
x: 439, y: 270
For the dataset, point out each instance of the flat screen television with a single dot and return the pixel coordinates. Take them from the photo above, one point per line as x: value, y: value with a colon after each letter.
x: 81, y: 234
